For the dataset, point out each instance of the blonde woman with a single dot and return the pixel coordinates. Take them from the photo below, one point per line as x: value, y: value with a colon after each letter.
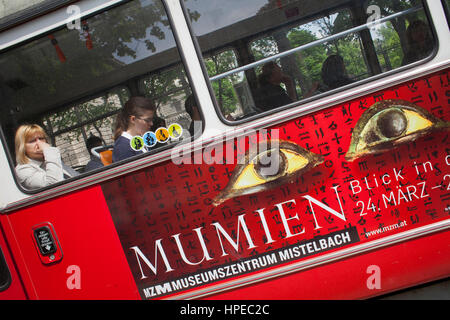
x: 38, y: 163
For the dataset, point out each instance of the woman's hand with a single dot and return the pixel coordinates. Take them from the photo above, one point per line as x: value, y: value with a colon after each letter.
x: 42, y: 144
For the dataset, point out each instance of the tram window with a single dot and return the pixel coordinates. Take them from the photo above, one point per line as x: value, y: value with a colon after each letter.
x: 318, y: 46
x: 74, y: 81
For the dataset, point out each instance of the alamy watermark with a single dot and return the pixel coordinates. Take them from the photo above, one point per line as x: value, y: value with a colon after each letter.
x: 73, y: 281
x: 374, y: 280
x: 74, y: 20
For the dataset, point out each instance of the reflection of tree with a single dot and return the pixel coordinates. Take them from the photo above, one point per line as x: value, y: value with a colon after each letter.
x: 388, y: 45
x: 330, y: 25
x: 309, y: 60
x: 389, y: 7
x: 223, y: 88
x: 114, y: 33
x: 85, y: 117
x: 134, y: 21
x: 143, y: 20
x: 166, y: 87
x: 264, y: 47
x: 349, y: 47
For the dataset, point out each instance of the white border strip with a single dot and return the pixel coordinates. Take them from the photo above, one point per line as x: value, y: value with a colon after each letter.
x: 41, y: 24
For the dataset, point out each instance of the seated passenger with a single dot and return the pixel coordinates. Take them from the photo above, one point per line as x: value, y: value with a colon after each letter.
x: 419, y: 42
x: 334, y: 74
x: 95, y: 162
x: 270, y: 94
x: 135, y: 119
x: 38, y: 164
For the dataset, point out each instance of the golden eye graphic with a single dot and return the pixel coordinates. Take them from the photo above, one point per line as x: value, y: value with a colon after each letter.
x: 389, y: 123
x: 281, y: 162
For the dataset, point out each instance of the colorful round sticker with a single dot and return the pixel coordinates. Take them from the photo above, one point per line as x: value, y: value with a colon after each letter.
x: 175, y: 130
x: 162, y: 135
x: 150, y: 139
x: 137, y: 143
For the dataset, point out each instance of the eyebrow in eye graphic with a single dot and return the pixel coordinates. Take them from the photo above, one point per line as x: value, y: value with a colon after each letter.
x: 281, y: 162
x: 389, y: 123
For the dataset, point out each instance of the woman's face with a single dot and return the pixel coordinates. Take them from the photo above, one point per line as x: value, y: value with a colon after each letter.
x: 35, y: 145
x: 141, y: 124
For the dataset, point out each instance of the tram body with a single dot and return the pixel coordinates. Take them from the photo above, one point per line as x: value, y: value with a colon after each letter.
x: 160, y: 225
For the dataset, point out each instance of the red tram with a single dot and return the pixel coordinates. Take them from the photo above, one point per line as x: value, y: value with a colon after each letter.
x: 328, y: 191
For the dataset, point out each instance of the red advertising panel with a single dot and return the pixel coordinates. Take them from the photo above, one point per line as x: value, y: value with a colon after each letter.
x: 347, y: 179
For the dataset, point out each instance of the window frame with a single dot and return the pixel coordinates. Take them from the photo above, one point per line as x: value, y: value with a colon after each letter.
x: 446, y: 7
x: 298, y: 105
x: 32, y: 12
x: 115, y: 169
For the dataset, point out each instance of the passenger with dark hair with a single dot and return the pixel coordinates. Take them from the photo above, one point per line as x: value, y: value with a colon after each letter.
x: 95, y: 162
x: 334, y: 74
x: 270, y: 94
x: 419, y: 42
x: 190, y: 105
x: 135, y: 119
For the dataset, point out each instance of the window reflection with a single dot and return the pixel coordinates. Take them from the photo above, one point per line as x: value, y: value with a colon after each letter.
x: 70, y: 63
x: 331, y: 55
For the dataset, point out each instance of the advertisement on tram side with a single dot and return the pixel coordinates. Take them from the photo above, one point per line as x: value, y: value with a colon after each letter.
x: 252, y: 206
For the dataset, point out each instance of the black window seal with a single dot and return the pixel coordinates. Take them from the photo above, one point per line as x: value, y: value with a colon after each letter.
x: 424, y: 7
x: 446, y: 7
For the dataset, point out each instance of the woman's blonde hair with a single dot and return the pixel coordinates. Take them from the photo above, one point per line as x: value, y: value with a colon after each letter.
x: 22, y: 135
